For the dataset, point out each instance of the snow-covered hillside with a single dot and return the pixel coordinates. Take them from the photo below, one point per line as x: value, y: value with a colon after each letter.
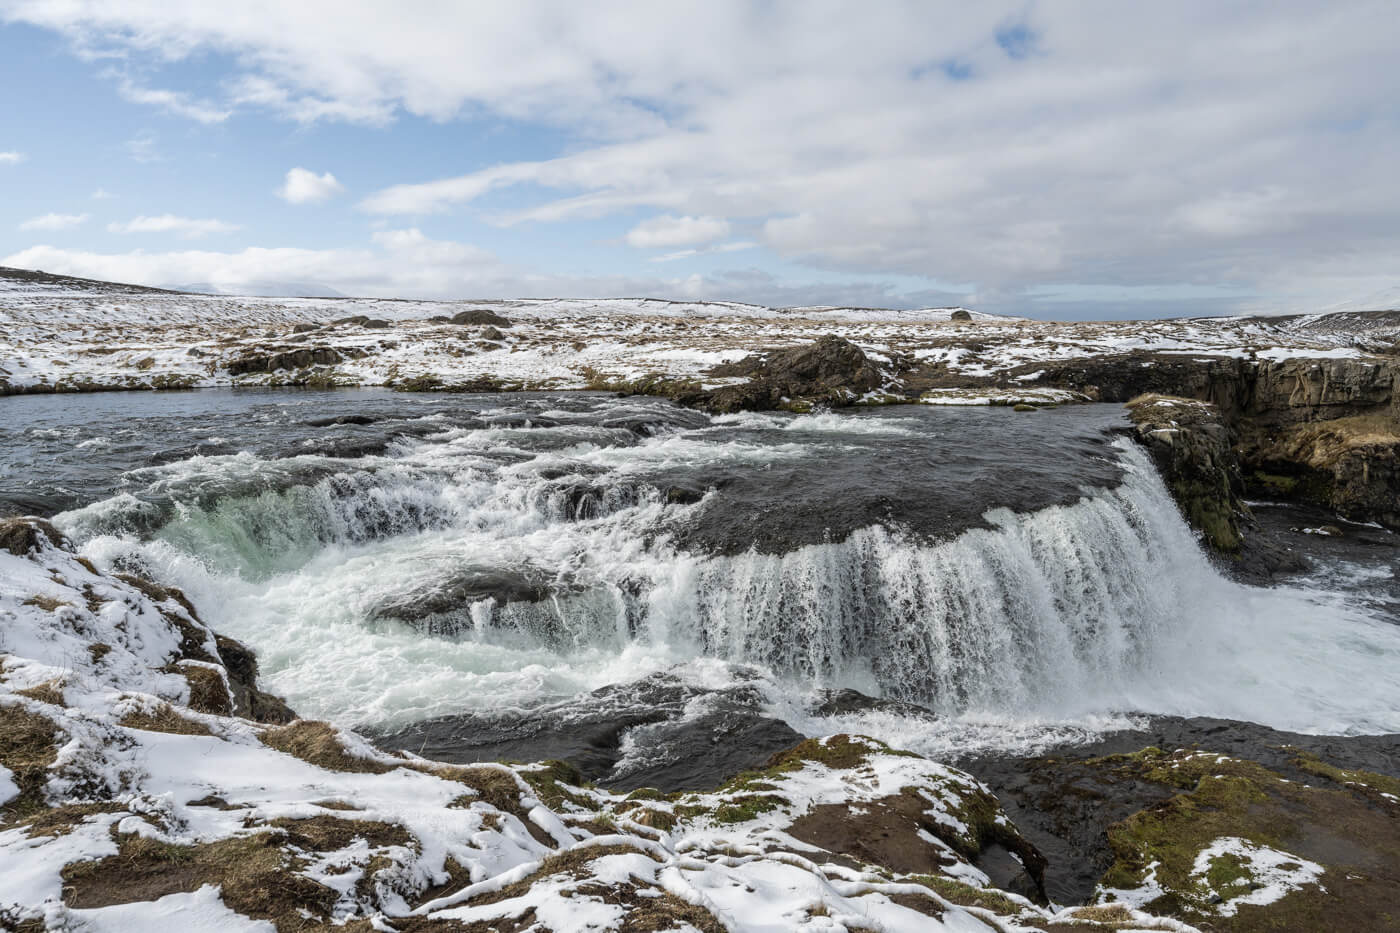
x: 73, y: 334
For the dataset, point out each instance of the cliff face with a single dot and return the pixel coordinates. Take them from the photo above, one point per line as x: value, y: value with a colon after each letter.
x: 1322, y: 431
x: 1195, y: 454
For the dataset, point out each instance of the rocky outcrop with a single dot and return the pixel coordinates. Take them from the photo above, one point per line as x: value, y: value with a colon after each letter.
x: 1350, y: 465
x: 1195, y: 454
x: 1323, y: 431
x: 290, y: 359
x: 1266, y: 391
x: 830, y: 371
x: 479, y: 316
x: 1191, y: 817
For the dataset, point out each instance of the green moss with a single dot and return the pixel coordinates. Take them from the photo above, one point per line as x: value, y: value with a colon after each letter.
x: 747, y: 807
x: 1358, y: 780
x: 556, y: 783
x: 1228, y: 797
x: 650, y: 793
x: 425, y: 383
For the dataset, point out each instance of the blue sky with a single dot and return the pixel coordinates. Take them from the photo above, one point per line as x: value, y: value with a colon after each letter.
x: 1082, y: 160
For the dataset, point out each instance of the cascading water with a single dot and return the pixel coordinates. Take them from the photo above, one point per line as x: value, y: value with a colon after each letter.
x: 991, y: 568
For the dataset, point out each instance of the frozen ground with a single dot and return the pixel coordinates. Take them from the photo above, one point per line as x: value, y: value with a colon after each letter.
x: 74, y: 334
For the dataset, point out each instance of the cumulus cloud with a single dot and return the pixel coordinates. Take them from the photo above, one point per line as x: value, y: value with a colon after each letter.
x: 667, y: 231
x: 1006, y: 147
x: 187, y: 227
x: 304, y: 186
x: 11, y: 158
x: 54, y: 222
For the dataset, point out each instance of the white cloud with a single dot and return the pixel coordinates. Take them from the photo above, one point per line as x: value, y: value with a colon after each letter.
x: 666, y: 231
x: 306, y: 187
x: 11, y: 158
x: 733, y: 247
x: 175, y: 102
x: 54, y: 222
x: 102, y: 194
x: 187, y: 227
x: 1191, y: 142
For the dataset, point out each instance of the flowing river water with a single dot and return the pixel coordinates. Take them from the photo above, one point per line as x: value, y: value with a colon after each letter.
x: 482, y: 562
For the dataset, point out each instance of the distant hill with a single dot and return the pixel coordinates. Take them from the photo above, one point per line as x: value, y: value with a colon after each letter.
x: 36, y: 280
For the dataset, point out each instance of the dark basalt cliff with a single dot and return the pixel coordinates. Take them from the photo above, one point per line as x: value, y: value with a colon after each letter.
x: 1321, y: 431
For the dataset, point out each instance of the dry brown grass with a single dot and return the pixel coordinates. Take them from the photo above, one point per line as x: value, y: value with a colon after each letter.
x: 208, y: 692
x: 58, y: 821
x: 258, y: 879
x: 331, y: 833
x: 317, y: 743
x: 27, y: 749
x: 46, y: 603
x: 165, y: 719
x: 50, y: 691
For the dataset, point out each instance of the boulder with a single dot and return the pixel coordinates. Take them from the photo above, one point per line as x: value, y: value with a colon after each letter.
x: 960, y: 315
x: 831, y: 371
x: 480, y: 316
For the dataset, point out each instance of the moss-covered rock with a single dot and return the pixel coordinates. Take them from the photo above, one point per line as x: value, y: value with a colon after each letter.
x: 1194, y: 450
x: 1240, y: 847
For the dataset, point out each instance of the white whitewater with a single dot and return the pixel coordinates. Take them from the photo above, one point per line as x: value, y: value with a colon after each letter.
x: 1061, y: 618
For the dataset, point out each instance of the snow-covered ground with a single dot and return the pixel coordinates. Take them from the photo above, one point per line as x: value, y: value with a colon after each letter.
x: 77, y: 335
x: 127, y: 802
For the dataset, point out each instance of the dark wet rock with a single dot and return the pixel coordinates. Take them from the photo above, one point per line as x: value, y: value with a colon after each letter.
x: 1195, y: 454
x: 960, y: 315
x: 830, y: 371
x: 469, y: 585
x: 480, y: 316
x: 1066, y: 800
x: 843, y: 701
x: 291, y: 359
x: 657, y: 732
x: 344, y: 419
x: 248, y: 701
x: 681, y: 495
